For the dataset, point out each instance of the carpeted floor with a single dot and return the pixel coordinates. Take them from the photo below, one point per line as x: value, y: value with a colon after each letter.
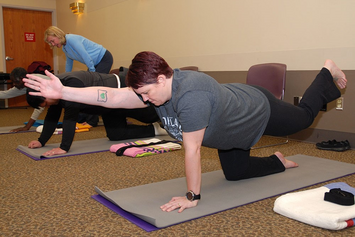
x: 53, y: 197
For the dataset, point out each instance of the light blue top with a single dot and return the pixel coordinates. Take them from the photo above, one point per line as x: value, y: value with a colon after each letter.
x: 83, y: 50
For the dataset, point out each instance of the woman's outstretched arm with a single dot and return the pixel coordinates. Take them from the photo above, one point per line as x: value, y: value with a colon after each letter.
x: 108, y: 97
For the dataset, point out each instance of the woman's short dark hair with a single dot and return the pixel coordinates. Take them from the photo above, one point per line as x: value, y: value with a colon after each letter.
x: 32, y: 100
x: 145, y: 68
x: 17, y: 74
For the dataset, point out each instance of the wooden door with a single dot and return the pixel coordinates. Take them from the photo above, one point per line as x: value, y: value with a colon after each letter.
x: 24, y: 41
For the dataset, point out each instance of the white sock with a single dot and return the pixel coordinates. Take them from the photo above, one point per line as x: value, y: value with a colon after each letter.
x: 39, y: 129
x: 158, y: 130
x: 57, y: 130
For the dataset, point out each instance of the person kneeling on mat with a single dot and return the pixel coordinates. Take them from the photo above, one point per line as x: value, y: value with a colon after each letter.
x: 19, y: 89
x: 115, y: 120
x: 196, y: 109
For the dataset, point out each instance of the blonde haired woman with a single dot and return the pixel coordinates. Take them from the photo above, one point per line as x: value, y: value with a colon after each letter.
x: 79, y: 48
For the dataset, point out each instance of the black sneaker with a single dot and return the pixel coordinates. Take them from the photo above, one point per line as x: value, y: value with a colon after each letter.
x: 334, y: 145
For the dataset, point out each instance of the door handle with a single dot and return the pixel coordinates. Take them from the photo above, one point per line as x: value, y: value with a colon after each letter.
x: 7, y: 58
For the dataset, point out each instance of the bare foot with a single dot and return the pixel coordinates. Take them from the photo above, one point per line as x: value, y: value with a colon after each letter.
x: 285, y: 162
x: 338, y: 75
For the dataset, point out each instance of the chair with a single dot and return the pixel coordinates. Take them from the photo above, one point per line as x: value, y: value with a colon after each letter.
x: 271, y: 76
x: 190, y: 68
x: 121, y: 69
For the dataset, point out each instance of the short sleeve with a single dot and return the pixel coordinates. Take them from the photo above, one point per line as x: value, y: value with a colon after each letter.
x: 194, y: 110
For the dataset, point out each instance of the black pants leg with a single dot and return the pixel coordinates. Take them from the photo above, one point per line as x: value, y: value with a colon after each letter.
x: 285, y: 119
x: 117, y: 128
x: 238, y: 164
x: 92, y: 119
x: 104, y: 66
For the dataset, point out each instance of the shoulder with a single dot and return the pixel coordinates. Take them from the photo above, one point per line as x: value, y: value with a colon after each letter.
x: 73, y: 40
x: 191, y: 89
x: 192, y: 81
x: 193, y: 78
x: 73, y: 37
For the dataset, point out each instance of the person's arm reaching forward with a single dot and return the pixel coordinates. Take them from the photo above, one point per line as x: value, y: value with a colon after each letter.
x: 124, y: 98
x: 192, y: 144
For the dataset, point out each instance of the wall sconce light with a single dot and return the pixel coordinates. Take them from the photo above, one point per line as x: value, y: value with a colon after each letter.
x: 77, y: 7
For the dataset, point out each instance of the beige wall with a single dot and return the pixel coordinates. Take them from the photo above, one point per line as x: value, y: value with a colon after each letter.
x: 223, y: 35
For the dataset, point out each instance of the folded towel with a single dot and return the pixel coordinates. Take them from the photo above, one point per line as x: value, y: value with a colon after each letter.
x: 148, y: 147
x: 82, y: 128
x: 79, y: 128
x: 309, y: 207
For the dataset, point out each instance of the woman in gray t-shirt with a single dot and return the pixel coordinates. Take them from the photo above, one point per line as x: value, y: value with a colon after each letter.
x: 197, y: 110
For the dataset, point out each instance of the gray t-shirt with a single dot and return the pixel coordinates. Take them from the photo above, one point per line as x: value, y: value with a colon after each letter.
x: 234, y: 115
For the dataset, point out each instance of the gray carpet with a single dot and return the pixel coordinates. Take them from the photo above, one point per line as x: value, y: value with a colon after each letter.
x: 7, y: 129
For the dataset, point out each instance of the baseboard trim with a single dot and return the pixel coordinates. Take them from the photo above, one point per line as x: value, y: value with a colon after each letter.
x: 318, y: 135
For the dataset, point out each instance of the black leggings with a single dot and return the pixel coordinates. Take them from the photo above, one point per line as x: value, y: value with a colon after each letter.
x: 104, y: 66
x: 285, y: 119
x: 117, y: 128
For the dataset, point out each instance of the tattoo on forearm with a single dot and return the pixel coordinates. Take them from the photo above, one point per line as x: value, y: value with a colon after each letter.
x: 102, y: 96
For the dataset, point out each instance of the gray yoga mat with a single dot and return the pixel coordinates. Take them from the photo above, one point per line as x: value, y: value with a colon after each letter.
x: 79, y: 147
x: 218, y: 194
x: 6, y: 130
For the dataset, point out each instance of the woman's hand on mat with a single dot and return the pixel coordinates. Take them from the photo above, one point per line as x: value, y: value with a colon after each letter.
x: 34, y: 144
x: 180, y: 203
x: 19, y: 129
x: 54, y: 151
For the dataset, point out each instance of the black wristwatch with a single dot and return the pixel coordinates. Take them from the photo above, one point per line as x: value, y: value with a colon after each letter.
x: 191, y: 196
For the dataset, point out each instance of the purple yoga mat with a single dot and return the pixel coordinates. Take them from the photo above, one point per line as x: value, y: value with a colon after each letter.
x: 132, y: 218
